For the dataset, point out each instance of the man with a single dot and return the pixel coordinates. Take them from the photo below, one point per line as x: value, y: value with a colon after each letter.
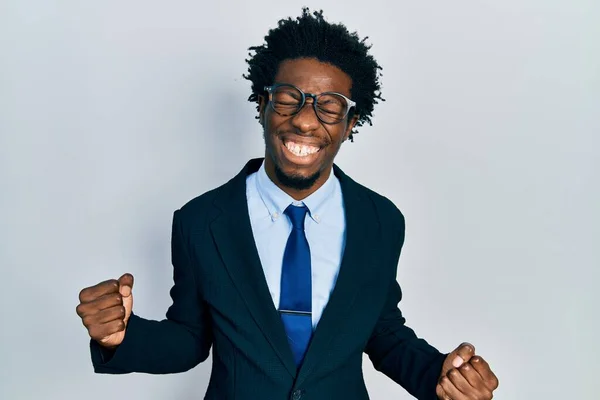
x: 288, y: 271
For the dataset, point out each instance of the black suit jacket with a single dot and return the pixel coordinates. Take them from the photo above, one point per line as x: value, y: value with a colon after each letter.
x: 221, y: 299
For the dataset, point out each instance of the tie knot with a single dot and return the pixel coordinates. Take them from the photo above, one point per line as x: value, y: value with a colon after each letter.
x: 296, y: 215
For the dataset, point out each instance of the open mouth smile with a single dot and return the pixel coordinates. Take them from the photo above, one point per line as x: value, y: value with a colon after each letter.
x: 300, y: 149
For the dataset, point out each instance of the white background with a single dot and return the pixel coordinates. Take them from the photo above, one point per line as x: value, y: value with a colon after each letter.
x: 115, y: 113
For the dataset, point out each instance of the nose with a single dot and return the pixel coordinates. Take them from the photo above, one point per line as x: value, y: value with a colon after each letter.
x: 306, y: 119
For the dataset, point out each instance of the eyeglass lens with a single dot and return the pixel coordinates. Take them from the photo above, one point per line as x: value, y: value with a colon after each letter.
x: 287, y: 100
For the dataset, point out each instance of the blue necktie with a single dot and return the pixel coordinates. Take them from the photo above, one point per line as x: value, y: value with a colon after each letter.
x: 295, y: 303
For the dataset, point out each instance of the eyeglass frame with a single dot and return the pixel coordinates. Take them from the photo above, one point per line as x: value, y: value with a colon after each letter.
x: 349, y: 103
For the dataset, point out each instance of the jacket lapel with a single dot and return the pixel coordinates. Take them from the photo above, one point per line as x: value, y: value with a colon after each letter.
x: 233, y: 236
x: 362, y: 230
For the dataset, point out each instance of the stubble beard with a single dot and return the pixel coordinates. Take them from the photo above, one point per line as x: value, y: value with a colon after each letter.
x: 296, y: 182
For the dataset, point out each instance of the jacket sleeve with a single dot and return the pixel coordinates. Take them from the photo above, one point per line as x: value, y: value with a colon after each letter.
x: 175, y: 344
x: 395, y: 349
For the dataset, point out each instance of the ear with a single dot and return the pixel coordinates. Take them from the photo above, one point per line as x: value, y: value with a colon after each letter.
x: 350, y: 126
x: 262, y: 104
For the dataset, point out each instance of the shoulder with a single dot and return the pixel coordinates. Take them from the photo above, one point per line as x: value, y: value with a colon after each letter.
x: 389, y: 215
x: 201, y: 210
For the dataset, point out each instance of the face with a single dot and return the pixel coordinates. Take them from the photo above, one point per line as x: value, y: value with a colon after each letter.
x: 300, y: 149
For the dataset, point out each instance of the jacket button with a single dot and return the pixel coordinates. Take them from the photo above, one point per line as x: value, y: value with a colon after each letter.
x: 297, y: 394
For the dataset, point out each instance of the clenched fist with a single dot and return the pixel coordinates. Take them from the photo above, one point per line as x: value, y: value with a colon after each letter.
x: 105, y: 309
x: 466, y: 376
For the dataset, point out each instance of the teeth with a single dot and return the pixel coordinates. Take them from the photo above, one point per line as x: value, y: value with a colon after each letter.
x: 301, y: 150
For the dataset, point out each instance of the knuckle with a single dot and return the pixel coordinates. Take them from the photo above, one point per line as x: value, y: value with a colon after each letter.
x: 468, y: 347
x: 487, y: 395
x: 82, y: 294
x: 495, y: 382
x: 453, y: 373
x: 120, y: 325
x: 110, y: 284
x: 87, y: 321
x: 93, y: 332
x: 439, y: 391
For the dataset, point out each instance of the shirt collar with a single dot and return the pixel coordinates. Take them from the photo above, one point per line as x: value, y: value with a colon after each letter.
x: 276, y: 200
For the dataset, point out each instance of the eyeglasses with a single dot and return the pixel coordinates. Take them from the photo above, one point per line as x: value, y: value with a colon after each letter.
x: 331, y: 107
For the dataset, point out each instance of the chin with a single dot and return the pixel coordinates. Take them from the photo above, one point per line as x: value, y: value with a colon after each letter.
x: 295, y: 180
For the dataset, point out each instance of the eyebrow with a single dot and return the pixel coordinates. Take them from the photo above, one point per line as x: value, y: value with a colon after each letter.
x: 307, y: 92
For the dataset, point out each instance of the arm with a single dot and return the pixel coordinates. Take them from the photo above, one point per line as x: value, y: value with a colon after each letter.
x: 176, y: 344
x: 396, y: 351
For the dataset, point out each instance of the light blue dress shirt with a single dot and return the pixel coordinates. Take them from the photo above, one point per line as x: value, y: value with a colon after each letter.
x: 325, y: 228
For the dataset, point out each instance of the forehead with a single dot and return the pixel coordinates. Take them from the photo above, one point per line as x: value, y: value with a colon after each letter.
x: 314, y: 76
